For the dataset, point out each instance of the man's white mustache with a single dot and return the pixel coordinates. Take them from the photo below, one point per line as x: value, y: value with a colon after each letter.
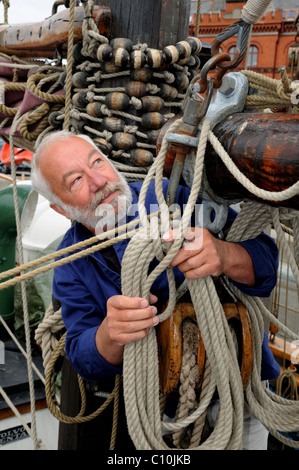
x: 103, y: 193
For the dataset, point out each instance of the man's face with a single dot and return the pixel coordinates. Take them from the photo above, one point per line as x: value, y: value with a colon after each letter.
x: 90, y: 188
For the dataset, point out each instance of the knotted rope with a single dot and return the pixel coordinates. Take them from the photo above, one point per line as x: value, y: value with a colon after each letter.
x: 214, y: 331
x: 140, y: 358
x: 144, y: 423
x: 232, y: 413
x: 273, y: 93
x: 189, y: 375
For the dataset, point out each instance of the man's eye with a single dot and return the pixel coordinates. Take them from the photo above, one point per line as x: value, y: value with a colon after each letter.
x: 76, y: 180
x: 97, y: 161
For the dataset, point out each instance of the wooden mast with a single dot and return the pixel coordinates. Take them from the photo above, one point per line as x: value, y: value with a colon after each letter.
x: 157, y: 23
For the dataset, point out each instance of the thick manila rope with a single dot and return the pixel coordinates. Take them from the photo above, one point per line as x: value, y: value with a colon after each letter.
x: 253, y: 10
x: 141, y: 368
x: 140, y: 433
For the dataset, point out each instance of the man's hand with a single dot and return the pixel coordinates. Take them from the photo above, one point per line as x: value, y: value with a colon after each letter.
x: 128, y: 319
x: 205, y: 255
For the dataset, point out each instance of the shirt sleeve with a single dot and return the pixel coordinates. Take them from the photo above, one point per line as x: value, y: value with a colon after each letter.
x: 82, y: 316
x: 264, y: 254
x: 265, y: 257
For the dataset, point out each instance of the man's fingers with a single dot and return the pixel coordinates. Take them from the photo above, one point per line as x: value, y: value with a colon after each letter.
x: 126, y: 326
x: 191, y: 233
x: 123, y: 309
x: 122, y: 302
x: 200, y: 271
x: 187, y: 252
x: 152, y: 298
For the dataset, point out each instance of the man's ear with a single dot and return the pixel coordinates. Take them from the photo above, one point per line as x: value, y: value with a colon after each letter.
x: 59, y: 209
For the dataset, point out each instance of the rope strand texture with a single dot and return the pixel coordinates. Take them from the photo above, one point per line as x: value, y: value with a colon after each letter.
x: 141, y: 366
x: 140, y: 359
x: 253, y: 10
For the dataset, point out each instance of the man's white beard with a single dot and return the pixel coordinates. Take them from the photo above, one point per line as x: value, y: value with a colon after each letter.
x: 103, y: 217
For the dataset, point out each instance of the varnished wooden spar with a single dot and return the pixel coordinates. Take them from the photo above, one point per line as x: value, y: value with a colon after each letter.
x: 264, y: 147
x: 43, y: 38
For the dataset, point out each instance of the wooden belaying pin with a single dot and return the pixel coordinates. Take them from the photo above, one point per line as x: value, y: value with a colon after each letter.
x: 135, y: 88
x: 121, y: 57
x: 152, y: 120
x: 123, y: 43
x: 117, y: 100
x: 152, y: 103
x: 113, y: 124
x: 142, y: 75
x: 79, y: 99
x: 123, y: 140
x: 141, y: 157
x: 104, y: 53
x: 94, y: 109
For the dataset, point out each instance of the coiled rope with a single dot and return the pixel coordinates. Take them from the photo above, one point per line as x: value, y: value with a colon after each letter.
x: 208, y: 297
x: 273, y: 93
x: 215, y: 331
x: 140, y: 358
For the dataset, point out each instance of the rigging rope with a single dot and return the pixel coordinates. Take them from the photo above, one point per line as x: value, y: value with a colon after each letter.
x: 36, y: 442
x: 145, y: 422
x: 261, y: 213
x: 140, y: 358
x: 69, y: 66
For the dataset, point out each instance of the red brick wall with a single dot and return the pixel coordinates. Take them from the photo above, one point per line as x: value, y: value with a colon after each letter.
x: 272, y: 35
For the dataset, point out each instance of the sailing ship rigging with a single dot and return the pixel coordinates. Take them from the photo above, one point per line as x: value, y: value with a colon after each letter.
x: 131, y: 95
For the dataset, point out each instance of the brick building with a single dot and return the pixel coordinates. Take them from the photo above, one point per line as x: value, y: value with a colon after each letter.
x: 273, y: 41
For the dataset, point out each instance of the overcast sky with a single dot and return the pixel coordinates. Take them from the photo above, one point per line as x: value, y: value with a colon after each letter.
x: 28, y: 11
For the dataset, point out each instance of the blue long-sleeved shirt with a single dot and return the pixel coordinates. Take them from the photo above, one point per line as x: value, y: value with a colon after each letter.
x: 84, y: 286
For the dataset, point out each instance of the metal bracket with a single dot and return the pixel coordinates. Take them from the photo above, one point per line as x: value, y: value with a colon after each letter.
x: 212, y: 215
x: 229, y: 98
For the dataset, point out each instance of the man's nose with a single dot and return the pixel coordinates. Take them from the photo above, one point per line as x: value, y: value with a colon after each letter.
x: 96, y: 180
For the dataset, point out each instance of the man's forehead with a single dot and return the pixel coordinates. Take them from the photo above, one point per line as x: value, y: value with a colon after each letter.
x: 72, y: 149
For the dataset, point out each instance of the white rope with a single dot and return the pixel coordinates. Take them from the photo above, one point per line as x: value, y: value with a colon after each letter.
x: 227, y: 433
x: 262, y: 193
x: 14, y: 338
x: 140, y: 358
x: 36, y: 441
x: 253, y: 10
x: 39, y: 444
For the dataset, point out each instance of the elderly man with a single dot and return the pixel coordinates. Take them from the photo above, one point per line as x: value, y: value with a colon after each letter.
x: 79, y: 181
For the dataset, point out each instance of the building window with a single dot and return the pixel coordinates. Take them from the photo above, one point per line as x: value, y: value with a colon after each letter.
x: 252, y: 56
x: 231, y: 51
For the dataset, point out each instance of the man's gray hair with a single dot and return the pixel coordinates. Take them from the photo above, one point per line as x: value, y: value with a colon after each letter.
x: 39, y: 183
